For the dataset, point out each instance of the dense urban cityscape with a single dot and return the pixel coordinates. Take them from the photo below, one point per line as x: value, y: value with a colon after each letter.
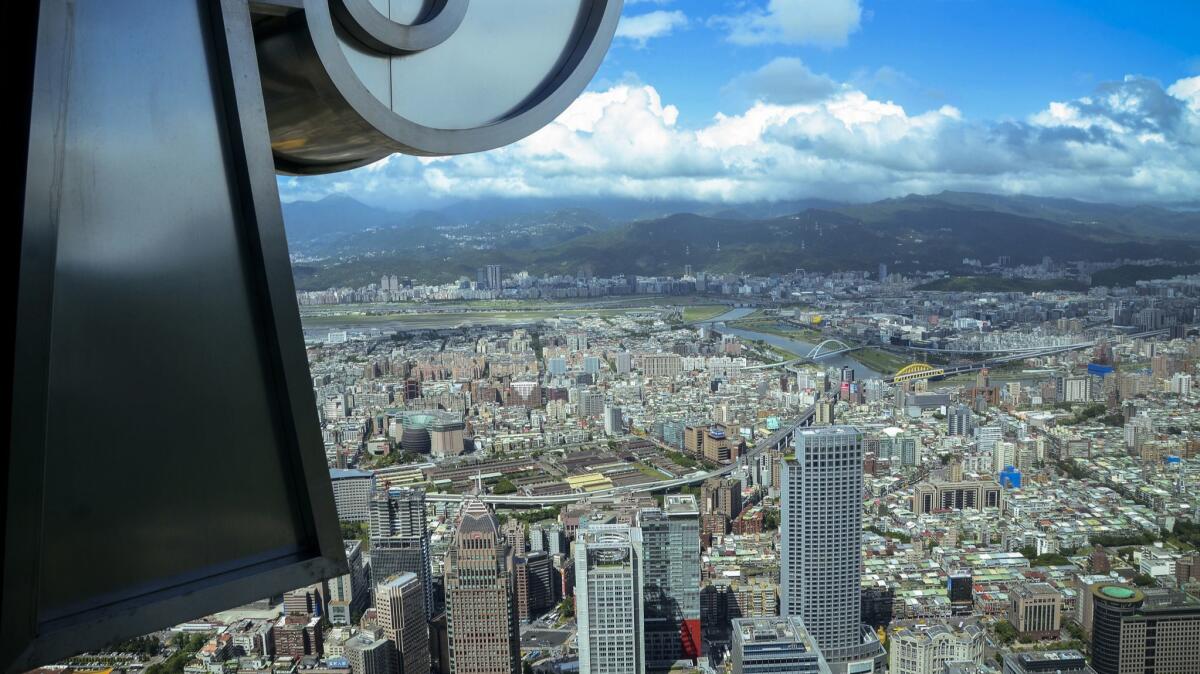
x: 726, y: 473
x: 603, y: 337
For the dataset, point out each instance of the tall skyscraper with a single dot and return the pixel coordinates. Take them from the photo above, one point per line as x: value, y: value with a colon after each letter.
x: 480, y: 608
x: 400, y: 606
x: 495, y: 279
x: 608, y: 599
x: 820, y: 545
x: 400, y: 539
x: 671, y: 580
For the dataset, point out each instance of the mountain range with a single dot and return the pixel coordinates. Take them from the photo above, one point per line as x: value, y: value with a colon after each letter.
x: 339, y: 241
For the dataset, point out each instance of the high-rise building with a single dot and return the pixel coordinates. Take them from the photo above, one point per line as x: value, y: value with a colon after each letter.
x: 368, y: 654
x: 608, y: 599
x: 960, y: 420
x: 535, y: 585
x: 591, y: 403
x: 400, y: 610
x: 1145, y: 631
x: 352, y: 493
x: 820, y: 545
x: 481, y: 621
x: 671, y: 580
x: 613, y: 423
x: 660, y: 364
x: 495, y: 277
x: 400, y: 538
x: 775, y: 646
x: 624, y: 362
x: 349, y: 593
x: 721, y: 495
x: 446, y: 435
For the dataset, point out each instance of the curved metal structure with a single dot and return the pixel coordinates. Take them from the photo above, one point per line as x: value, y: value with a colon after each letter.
x: 816, y: 350
x: 148, y: 158
x: 346, y: 84
x: 915, y: 371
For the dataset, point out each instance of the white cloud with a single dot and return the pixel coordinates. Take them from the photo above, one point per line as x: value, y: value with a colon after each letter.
x: 650, y: 25
x: 818, y: 22
x: 1130, y: 141
x: 1188, y: 90
x: 782, y: 80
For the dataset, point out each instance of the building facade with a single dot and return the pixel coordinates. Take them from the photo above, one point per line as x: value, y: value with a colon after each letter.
x: 400, y: 538
x: 926, y: 651
x: 821, y: 545
x: 608, y: 599
x: 349, y: 593
x: 481, y: 621
x: 1144, y: 631
x: 400, y: 610
x: 671, y: 580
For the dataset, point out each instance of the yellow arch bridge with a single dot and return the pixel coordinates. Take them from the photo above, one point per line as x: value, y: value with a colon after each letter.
x: 915, y: 371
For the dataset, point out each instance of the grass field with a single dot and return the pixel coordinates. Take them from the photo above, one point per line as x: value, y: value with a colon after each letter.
x: 771, y: 326
x: 703, y: 312
x: 879, y: 360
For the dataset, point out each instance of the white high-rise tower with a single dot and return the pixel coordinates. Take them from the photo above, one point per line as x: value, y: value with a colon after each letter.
x: 821, y: 545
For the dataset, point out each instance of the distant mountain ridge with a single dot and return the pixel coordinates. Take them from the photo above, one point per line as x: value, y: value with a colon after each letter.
x: 358, y: 243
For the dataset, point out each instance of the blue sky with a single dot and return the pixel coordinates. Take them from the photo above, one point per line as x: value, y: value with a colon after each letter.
x: 989, y: 58
x: 741, y: 100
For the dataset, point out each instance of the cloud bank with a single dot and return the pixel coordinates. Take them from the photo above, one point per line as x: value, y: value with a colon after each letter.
x: 827, y: 23
x: 805, y: 135
x: 643, y: 27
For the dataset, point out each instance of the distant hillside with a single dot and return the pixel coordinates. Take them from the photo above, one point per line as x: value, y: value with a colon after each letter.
x: 912, y: 233
x: 996, y: 284
x: 1130, y: 274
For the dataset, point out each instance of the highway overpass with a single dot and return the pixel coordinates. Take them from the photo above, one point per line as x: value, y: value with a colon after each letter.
x: 778, y: 440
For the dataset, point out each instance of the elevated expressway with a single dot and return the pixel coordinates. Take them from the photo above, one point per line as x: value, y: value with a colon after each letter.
x: 778, y: 440
x: 926, y: 371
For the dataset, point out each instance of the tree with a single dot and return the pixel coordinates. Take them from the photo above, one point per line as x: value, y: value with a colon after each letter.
x: 770, y: 519
x: 1144, y: 580
x: 504, y: 486
x: 1005, y: 632
x: 566, y: 608
x: 1029, y: 552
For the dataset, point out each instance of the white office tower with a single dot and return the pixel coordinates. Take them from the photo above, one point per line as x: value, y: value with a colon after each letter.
x: 821, y: 546
x: 608, y: 599
x: 613, y: 423
x: 400, y: 608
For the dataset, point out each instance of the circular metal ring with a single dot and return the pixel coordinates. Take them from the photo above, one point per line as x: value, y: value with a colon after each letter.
x: 371, y: 27
x: 333, y: 102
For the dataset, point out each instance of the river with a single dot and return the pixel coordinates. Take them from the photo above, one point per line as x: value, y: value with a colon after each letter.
x: 795, y: 346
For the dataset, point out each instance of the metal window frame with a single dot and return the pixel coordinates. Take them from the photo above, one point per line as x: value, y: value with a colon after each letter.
x: 29, y: 638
